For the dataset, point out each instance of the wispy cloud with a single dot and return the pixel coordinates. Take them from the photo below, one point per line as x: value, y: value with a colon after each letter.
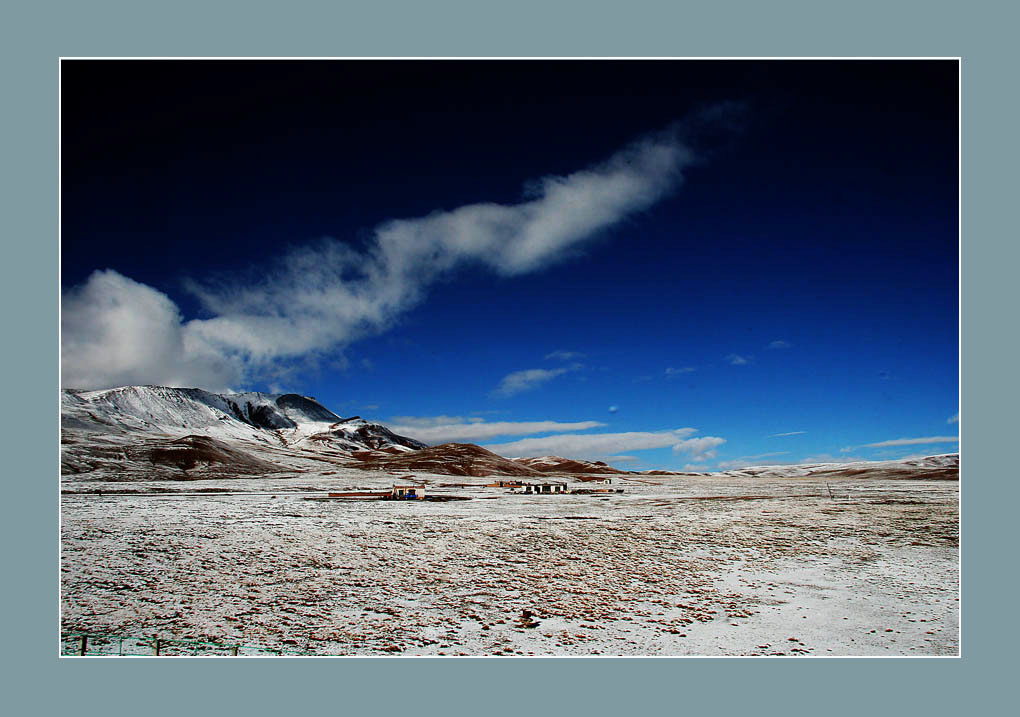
x: 593, y: 445
x: 738, y: 360
x: 614, y: 409
x: 779, y: 344
x: 755, y: 461
x: 415, y: 422
x: 671, y: 372
x: 564, y: 355
x: 319, y: 297
x: 768, y: 455
x: 528, y: 380
x: 829, y: 458
x: 788, y: 433
x: 912, y: 441
x: 748, y: 461
x: 446, y: 429
x: 955, y: 418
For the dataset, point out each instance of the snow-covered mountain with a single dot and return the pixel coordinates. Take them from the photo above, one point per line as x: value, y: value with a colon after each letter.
x: 134, y: 421
x: 286, y: 419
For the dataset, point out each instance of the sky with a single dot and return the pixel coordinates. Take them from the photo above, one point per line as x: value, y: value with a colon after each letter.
x: 659, y: 264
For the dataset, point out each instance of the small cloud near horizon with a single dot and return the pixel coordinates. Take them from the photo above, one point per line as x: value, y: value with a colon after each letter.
x: 738, y: 360
x: 614, y: 409
x: 955, y: 418
x: 592, y: 445
x: 788, y: 433
x: 780, y: 344
x: 912, y: 441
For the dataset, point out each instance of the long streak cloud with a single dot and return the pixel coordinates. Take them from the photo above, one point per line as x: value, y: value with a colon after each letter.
x: 320, y: 297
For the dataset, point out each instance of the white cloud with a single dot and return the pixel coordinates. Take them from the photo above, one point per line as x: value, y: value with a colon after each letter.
x: 779, y: 344
x: 528, y: 380
x: 117, y: 332
x: 955, y: 418
x: 415, y: 422
x: 564, y: 355
x: 734, y: 464
x: 447, y: 429
x: 788, y: 433
x: 614, y: 409
x: 591, y: 445
x: 319, y: 297
x: 828, y: 458
x: 913, y: 441
x: 749, y: 461
x: 737, y: 360
x: 755, y: 461
x: 670, y: 371
x: 700, y: 449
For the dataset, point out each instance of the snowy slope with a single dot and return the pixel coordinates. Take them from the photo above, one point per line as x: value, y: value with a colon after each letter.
x: 940, y: 467
x: 280, y: 419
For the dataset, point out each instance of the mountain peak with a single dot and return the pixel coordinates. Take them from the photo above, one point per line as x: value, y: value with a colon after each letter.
x: 287, y: 418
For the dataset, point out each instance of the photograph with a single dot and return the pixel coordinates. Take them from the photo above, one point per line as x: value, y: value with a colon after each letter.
x: 509, y: 357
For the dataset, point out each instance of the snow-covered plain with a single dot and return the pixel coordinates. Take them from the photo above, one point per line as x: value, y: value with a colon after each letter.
x: 723, y: 565
x: 187, y: 515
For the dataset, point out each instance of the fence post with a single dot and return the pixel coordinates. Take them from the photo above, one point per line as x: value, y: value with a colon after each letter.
x: 234, y: 650
x: 155, y: 647
x: 83, y: 644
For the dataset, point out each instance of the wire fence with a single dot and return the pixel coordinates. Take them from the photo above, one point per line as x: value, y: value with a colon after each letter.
x: 88, y: 644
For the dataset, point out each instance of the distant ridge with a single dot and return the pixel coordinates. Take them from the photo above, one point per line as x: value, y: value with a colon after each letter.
x: 161, y: 433
x: 458, y: 459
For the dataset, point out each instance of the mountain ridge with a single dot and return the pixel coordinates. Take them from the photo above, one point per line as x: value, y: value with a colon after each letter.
x: 130, y: 432
x: 288, y: 419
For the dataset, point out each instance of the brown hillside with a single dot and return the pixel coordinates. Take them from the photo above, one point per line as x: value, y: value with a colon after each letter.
x: 455, y: 459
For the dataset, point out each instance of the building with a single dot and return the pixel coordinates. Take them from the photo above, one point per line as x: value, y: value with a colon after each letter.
x: 407, y: 492
x: 544, y: 488
x: 505, y: 484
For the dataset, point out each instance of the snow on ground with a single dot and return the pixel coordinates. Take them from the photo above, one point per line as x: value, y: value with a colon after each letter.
x: 718, y: 565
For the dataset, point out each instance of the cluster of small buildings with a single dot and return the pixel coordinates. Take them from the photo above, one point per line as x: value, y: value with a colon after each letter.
x: 517, y: 487
x: 397, y: 492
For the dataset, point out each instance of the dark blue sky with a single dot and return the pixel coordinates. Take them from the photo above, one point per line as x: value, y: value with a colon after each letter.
x: 801, y: 279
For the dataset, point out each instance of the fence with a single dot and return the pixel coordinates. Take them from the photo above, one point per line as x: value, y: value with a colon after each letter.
x: 83, y: 644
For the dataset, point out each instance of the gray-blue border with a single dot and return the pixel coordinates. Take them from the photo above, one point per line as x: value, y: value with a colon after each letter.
x: 34, y: 35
